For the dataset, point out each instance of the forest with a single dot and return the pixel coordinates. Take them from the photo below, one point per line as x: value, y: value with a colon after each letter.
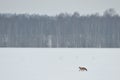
x: 60, y: 31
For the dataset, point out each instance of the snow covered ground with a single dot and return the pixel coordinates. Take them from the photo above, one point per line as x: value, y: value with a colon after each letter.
x: 59, y: 64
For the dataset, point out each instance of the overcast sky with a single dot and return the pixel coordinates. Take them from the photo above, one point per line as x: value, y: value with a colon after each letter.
x: 59, y: 64
x: 52, y: 7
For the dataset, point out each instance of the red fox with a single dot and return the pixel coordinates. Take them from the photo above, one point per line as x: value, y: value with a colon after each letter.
x: 82, y: 69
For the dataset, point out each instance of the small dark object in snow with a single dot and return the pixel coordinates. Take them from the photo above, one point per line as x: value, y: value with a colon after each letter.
x: 82, y: 69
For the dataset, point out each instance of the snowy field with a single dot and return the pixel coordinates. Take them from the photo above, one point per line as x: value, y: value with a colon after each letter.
x: 59, y: 64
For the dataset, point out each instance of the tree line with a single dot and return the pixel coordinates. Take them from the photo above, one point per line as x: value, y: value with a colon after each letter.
x: 63, y: 30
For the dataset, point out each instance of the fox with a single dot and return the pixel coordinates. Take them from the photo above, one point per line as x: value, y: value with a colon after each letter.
x: 83, y: 69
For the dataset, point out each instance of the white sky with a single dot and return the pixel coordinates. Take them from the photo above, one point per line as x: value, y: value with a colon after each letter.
x: 52, y: 7
x: 59, y: 64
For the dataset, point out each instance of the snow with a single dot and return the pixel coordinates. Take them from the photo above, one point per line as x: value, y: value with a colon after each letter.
x: 59, y: 63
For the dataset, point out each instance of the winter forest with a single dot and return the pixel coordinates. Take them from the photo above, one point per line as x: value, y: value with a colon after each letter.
x: 60, y: 31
